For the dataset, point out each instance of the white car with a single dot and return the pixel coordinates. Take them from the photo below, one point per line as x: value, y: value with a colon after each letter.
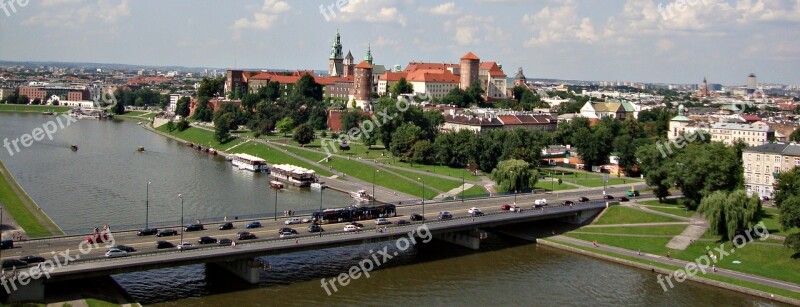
x: 515, y: 208
x: 186, y: 246
x: 292, y: 221
x: 307, y: 220
x: 113, y: 253
x: 539, y: 203
x: 351, y: 228
x: 382, y: 221
x: 288, y: 235
x: 473, y: 210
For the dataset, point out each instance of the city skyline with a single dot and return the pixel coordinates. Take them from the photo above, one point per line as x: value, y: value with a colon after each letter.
x: 641, y: 41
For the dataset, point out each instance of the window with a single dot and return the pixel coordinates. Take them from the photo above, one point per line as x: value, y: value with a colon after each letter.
x: 796, y: 161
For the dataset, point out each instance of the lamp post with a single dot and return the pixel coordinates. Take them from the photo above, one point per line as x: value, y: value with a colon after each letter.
x: 1, y: 230
x: 462, y: 186
x: 319, y: 218
x: 147, y: 208
x: 423, y: 195
x: 373, y: 185
x: 181, y: 197
x: 276, y: 204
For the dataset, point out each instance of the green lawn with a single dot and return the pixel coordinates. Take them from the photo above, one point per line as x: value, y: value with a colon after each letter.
x: 625, y: 215
x: 454, y: 172
x: 277, y: 157
x: 92, y: 302
x: 201, y: 137
x: 441, y: 184
x: 14, y: 206
x: 656, y: 246
x: 770, y: 218
x: 670, y: 206
x: 31, y: 108
x: 474, y: 191
x: 553, y: 186
x: 650, y: 230
x: 587, y: 179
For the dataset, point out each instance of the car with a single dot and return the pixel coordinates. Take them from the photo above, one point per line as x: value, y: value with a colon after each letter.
x: 633, y: 193
x: 97, y: 238
x: 124, y: 248
x: 567, y: 203
x: 315, y: 228
x: 6, y: 244
x: 225, y: 242
x: 402, y: 222
x: 113, y: 253
x: 253, y: 225
x: 473, y: 210
x: 623, y: 198
x: 244, y: 235
x: 292, y: 221
x: 12, y: 263
x: 539, y: 203
x: 351, y: 228
x: 608, y: 197
x: 505, y: 207
x: 166, y: 233
x: 286, y: 230
x: 382, y: 221
x: 194, y: 227
x: 186, y: 246
x: 765, y: 198
x: 515, y: 209
x: 445, y: 215
x: 583, y: 199
x: 147, y: 232
x: 417, y: 217
x: 307, y: 220
x: 164, y: 244
x: 226, y: 226
x: 359, y: 225
x: 32, y: 259
x: 206, y: 240
x: 288, y: 234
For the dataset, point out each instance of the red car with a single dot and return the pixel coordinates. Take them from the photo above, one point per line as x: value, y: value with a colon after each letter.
x: 97, y: 238
x: 505, y: 207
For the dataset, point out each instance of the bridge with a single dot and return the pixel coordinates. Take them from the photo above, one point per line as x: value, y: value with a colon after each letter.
x: 82, y: 261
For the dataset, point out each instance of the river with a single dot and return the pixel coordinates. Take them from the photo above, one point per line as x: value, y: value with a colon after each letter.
x: 105, y: 181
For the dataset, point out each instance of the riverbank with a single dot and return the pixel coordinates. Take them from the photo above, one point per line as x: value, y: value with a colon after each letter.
x: 22, y: 108
x: 26, y: 215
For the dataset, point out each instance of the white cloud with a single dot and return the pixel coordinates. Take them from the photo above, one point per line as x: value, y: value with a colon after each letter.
x: 473, y: 30
x: 370, y: 11
x: 51, y: 3
x: 448, y: 8
x: 559, y: 24
x: 385, y: 42
x: 108, y: 11
x: 262, y: 19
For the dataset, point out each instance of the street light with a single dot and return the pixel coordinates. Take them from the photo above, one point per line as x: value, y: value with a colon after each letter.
x: 462, y: 186
x: 147, y: 207
x: 181, y: 197
x: 1, y: 230
x: 276, y: 204
x: 319, y: 218
x: 423, y: 195
x: 373, y: 185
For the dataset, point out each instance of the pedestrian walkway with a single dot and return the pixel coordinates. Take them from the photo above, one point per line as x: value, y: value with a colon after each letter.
x: 455, y: 192
x: 690, y: 234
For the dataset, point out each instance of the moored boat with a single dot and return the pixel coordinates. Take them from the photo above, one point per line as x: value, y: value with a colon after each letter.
x: 317, y: 186
x: 276, y: 184
x: 361, y: 195
x: 249, y: 162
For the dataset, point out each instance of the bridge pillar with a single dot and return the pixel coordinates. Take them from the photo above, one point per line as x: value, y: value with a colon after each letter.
x: 32, y: 291
x: 470, y: 239
x: 246, y: 269
x: 582, y: 216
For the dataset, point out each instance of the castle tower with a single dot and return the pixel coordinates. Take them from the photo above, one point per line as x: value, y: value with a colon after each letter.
x: 520, y: 79
x: 470, y: 67
x: 368, y: 57
x: 362, y: 85
x: 335, y: 62
x: 348, y: 65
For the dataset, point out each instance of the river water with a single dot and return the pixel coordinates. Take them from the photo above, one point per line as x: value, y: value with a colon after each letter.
x: 105, y: 182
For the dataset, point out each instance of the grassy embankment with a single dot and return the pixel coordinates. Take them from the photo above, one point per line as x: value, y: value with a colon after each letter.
x: 14, y: 205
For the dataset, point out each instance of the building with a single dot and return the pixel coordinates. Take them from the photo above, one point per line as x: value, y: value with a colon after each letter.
x: 614, y: 109
x: 470, y: 68
x: 436, y: 80
x: 456, y: 122
x: 763, y: 163
x: 519, y: 78
x: 752, y: 83
x: 493, y: 81
x: 68, y: 93
x: 544, y: 122
x: 336, y: 60
x: 362, y: 89
x: 173, y: 103
x: 752, y: 135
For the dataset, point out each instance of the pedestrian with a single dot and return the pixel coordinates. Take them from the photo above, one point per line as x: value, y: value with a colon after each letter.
x: 714, y: 268
x: 594, y: 243
x: 233, y: 244
x: 639, y: 252
x: 669, y: 256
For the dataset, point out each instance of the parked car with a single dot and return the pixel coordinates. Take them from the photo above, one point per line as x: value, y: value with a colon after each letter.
x: 567, y: 203
x: 244, y: 235
x: 32, y: 259
x: 539, y: 203
x: 6, y: 244
x: 206, y: 240
x: 11, y: 263
x: 382, y: 221
x: 307, y: 220
x: 474, y: 210
x: 166, y: 233
x: 164, y: 244
x: 515, y: 209
x: 225, y: 242
x: 359, y: 225
x: 402, y: 222
x: 147, y: 231
x: 623, y: 198
x: 583, y: 199
x: 315, y: 228
x: 505, y: 207
x: 253, y: 225
x: 445, y: 215
x: 113, y: 253
x: 765, y: 198
x: 633, y: 193
x: 292, y: 221
x: 287, y: 232
x: 226, y: 226
x: 351, y: 228
x: 608, y: 197
x: 417, y: 217
x: 194, y: 227
x: 124, y: 248
x: 186, y: 246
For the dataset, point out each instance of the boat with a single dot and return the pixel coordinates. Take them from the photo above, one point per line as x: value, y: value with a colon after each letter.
x: 47, y: 113
x: 212, y: 152
x: 140, y: 149
x: 276, y: 184
x: 361, y: 195
x: 294, y: 175
x: 189, y: 144
x: 74, y: 147
x: 317, y: 186
x: 249, y: 162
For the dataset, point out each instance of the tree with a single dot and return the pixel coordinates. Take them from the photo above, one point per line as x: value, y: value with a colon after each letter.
x: 308, y: 87
x: 183, y: 124
x: 475, y: 93
x: 183, y: 106
x: 514, y: 175
x: 351, y: 119
x: 23, y: 100
x: 457, y: 97
x: 728, y: 212
x: 701, y: 169
x: 202, y: 112
x: 303, y: 134
x: 402, y: 87
x: 424, y: 152
x: 790, y: 218
x: 170, y: 126
x: 211, y: 87
x: 249, y: 101
x: 656, y: 168
x: 36, y: 101
x: 403, y: 140
x: 222, y: 127
x: 118, y: 108
x: 285, y: 125
x: 795, y: 136
x: 787, y: 185
x: 518, y: 91
x: 270, y: 91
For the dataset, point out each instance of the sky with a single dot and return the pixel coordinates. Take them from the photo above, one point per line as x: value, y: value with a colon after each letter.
x: 599, y: 40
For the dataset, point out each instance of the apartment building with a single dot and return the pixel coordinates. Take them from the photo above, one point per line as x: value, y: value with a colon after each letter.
x: 752, y: 135
x: 763, y: 163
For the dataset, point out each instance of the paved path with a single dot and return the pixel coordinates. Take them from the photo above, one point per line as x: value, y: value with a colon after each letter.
x: 455, y: 191
x: 680, y: 263
x: 690, y: 234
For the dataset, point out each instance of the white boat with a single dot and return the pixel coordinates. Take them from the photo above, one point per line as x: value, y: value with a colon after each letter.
x: 361, y: 195
x: 317, y: 186
x: 250, y: 163
x: 294, y: 175
x: 276, y: 184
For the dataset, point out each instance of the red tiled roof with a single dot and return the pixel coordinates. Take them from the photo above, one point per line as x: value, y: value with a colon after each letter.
x: 471, y: 120
x: 493, y: 68
x: 364, y: 65
x: 509, y: 119
x: 470, y: 56
x: 433, y: 76
x: 414, y: 66
x: 393, y: 76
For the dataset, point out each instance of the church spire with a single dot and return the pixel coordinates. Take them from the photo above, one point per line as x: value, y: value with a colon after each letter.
x: 368, y: 57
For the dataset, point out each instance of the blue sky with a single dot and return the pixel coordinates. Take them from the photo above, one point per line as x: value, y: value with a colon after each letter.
x: 614, y: 40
